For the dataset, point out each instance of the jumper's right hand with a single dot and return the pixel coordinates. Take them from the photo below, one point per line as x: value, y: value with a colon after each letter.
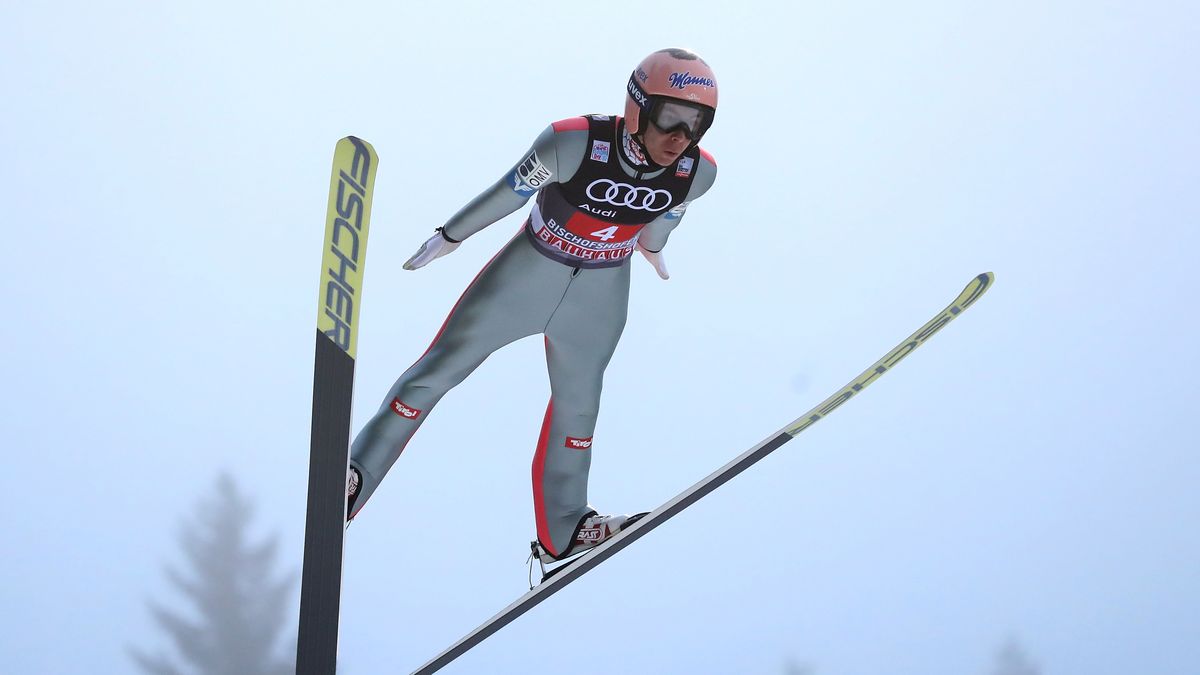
x: 437, y: 246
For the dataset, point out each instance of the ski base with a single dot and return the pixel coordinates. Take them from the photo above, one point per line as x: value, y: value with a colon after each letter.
x: 339, y: 302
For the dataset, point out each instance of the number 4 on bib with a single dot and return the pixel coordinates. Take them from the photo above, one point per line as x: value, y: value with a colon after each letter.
x: 605, y: 234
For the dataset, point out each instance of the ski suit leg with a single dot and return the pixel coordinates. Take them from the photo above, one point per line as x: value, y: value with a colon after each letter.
x: 513, y: 297
x: 580, y: 340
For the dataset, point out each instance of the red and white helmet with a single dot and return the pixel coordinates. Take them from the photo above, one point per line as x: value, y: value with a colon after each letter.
x: 671, y: 89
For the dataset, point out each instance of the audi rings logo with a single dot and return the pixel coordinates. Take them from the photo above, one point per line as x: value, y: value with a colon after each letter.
x: 624, y: 194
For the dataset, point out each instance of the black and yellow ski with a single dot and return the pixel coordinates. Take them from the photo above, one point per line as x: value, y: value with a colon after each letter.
x: 559, y: 577
x: 339, y: 305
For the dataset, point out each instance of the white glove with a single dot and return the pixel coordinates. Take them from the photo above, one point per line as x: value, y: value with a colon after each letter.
x: 436, y: 247
x: 656, y: 259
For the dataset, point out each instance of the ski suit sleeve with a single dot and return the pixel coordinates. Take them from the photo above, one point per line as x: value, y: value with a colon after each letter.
x: 654, y: 236
x: 538, y: 166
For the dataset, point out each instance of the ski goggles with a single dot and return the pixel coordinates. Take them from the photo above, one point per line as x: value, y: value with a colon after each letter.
x: 671, y: 116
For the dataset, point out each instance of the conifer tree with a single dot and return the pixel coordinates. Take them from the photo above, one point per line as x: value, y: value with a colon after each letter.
x: 1012, y: 660
x: 239, y: 608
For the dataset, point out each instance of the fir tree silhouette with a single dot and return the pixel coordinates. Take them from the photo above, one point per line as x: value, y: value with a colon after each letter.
x: 794, y: 668
x: 239, y: 610
x: 1012, y: 660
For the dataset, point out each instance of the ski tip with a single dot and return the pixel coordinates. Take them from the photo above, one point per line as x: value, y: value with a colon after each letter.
x: 355, y: 141
x: 984, y: 281
x: 977, y: 287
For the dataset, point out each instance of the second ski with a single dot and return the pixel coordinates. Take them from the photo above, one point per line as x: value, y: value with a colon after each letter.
x: 559, y: 577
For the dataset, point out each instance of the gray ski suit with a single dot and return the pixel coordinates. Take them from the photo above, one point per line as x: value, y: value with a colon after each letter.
x: 565, y: 275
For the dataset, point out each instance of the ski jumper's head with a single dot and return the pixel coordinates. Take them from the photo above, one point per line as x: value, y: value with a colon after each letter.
x: 671, y: 100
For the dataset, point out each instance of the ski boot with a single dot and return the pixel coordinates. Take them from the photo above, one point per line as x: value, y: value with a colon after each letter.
x: 353, y: 484
x: 593, y: 530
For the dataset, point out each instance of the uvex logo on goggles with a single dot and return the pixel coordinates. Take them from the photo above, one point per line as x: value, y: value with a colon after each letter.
x: 638, y: 94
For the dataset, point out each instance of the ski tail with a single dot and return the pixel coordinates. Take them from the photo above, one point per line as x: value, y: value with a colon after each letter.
x: 339, y: 303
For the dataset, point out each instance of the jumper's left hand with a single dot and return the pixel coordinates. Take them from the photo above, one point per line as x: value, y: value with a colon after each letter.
x: 437, y: 246
x: 655, y: 258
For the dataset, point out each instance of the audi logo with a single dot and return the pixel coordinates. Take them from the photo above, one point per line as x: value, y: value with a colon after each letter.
x: 624, y: 194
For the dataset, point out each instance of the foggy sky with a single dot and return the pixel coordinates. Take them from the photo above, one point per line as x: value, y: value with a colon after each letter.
x: 1029, y: 472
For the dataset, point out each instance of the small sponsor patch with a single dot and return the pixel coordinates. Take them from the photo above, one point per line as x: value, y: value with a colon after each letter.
x: 530, y: 175
x: 600, y: 151
x: 405, y: 411
x: 518, y: 186
x: 601, y: 118
x: 677, y: 212
x: 579, y: 443
x: 684, y: 168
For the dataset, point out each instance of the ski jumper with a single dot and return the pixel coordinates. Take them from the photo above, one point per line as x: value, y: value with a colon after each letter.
x: 565, y: 275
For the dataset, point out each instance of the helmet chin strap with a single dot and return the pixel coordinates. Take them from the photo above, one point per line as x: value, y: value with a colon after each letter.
x: 645, y: 151
x: 637, y: 144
